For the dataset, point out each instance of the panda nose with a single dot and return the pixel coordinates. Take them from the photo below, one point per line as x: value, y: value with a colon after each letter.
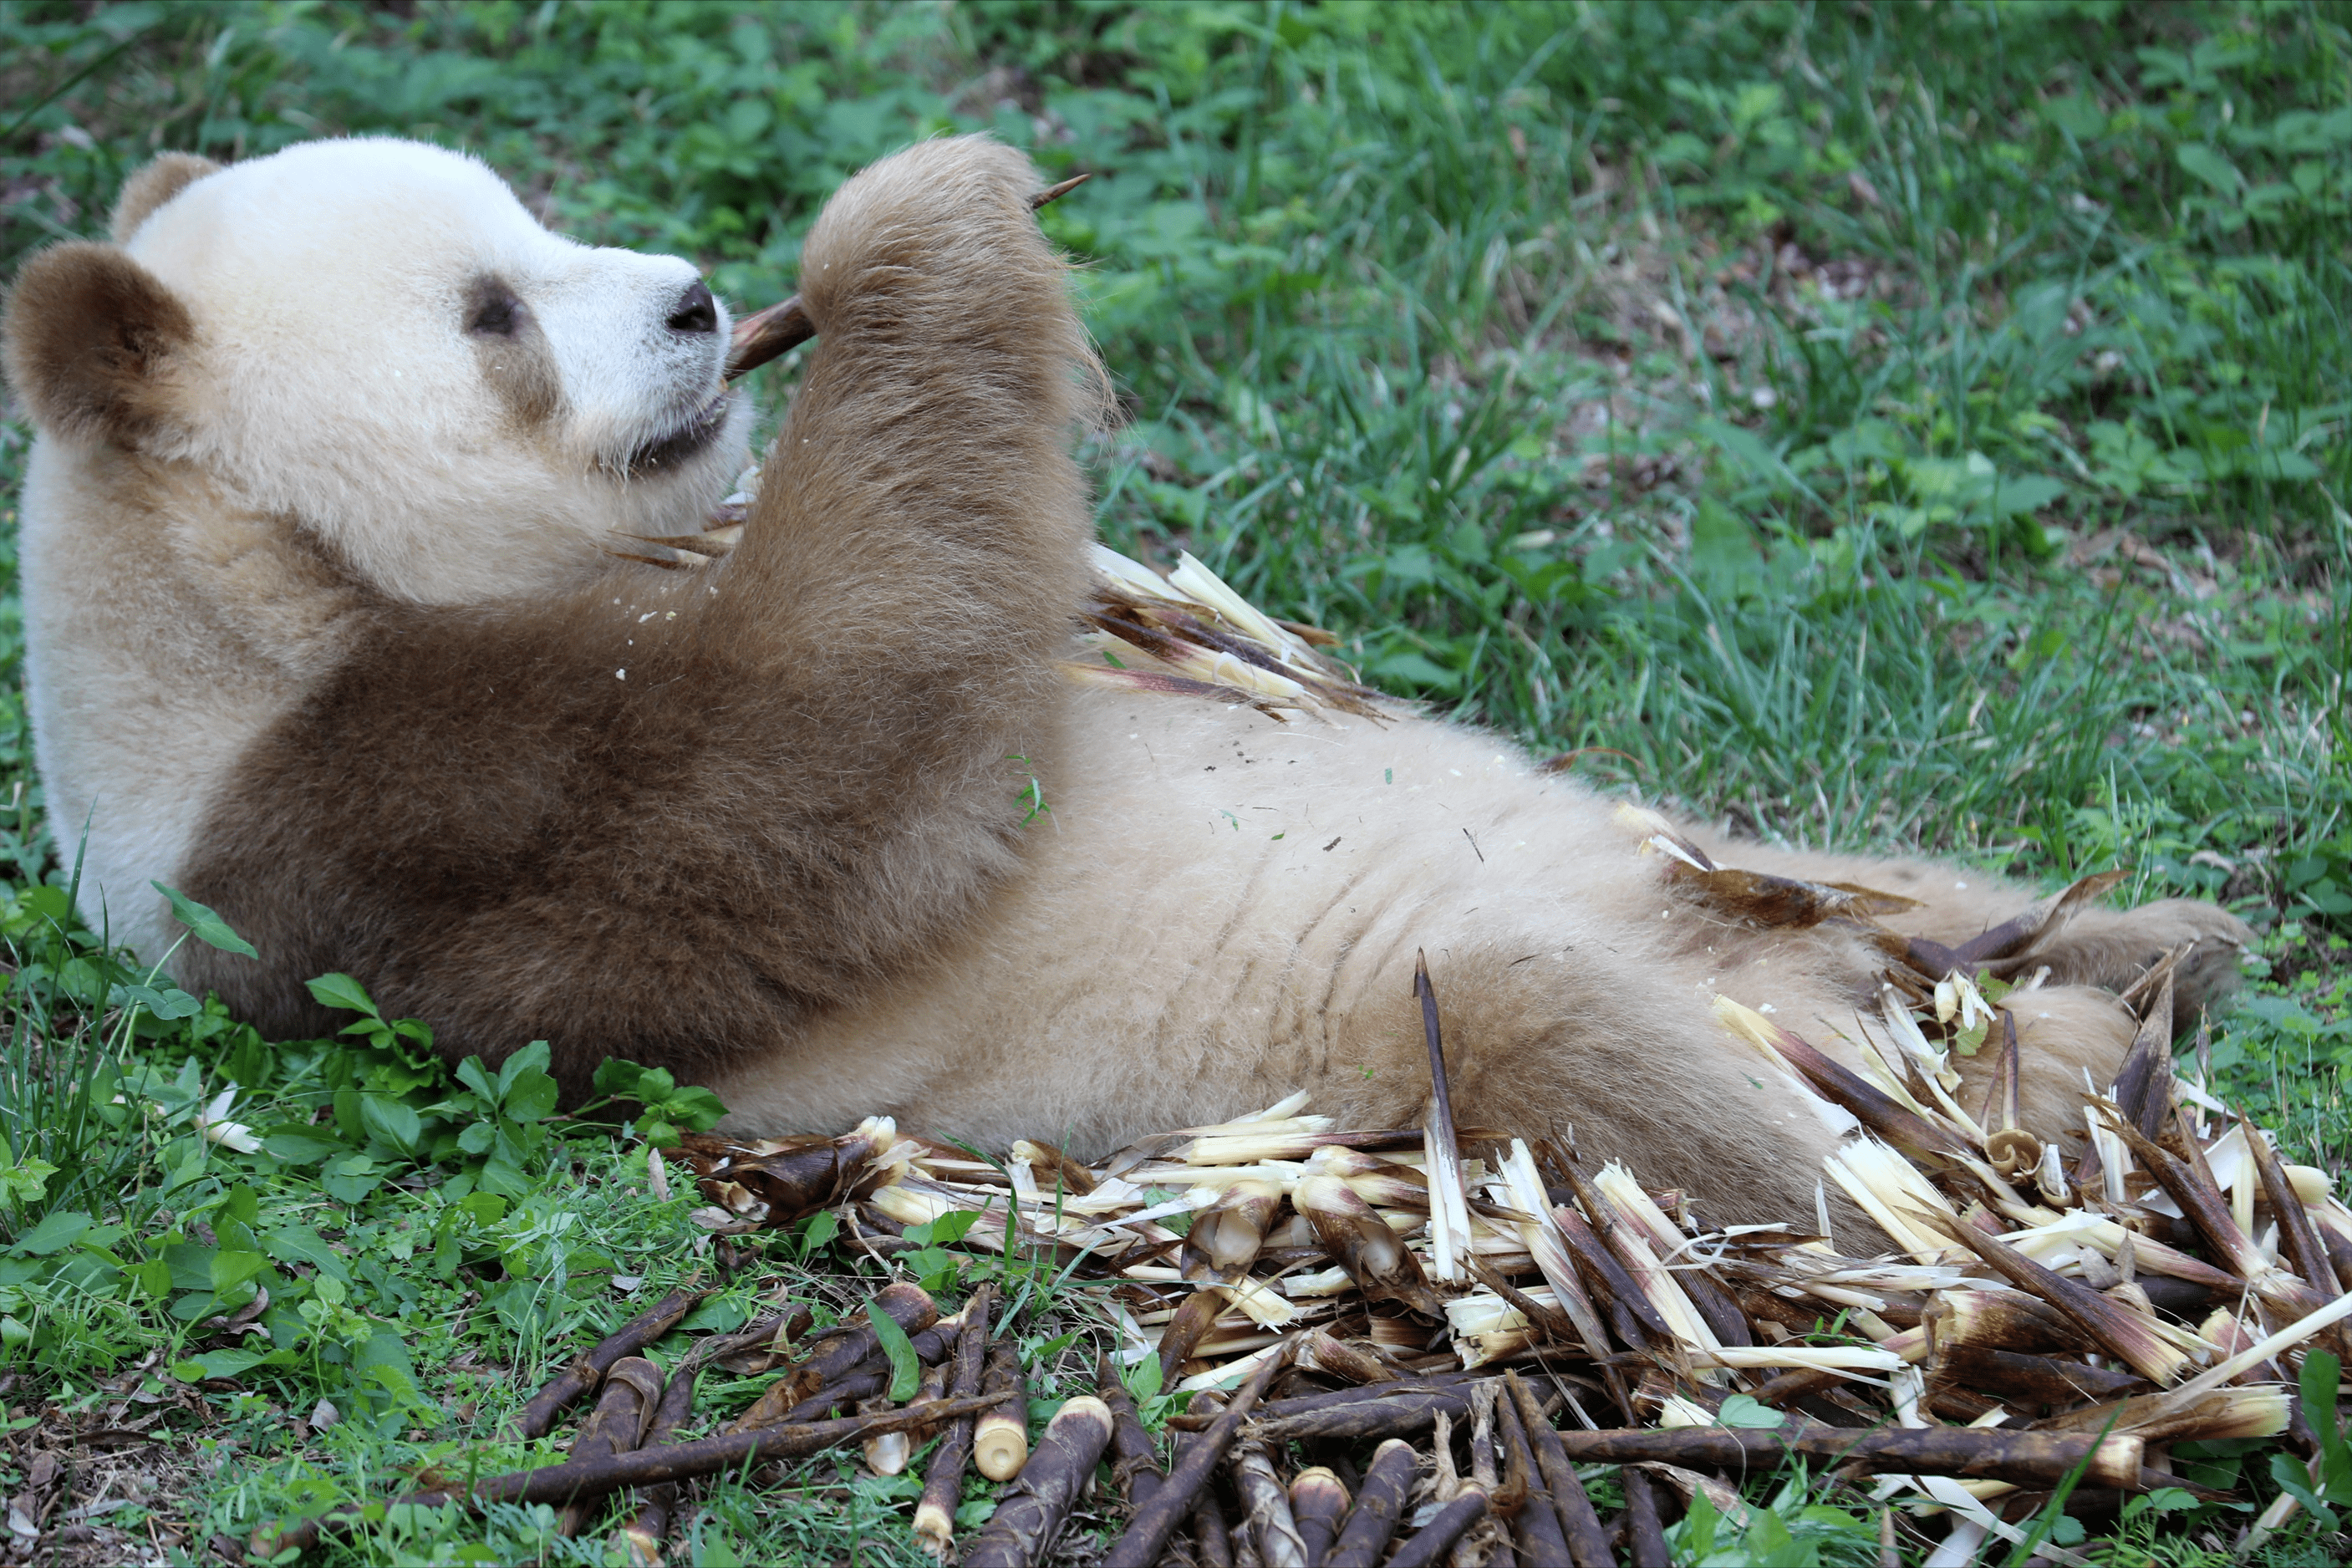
x: 696, y: 313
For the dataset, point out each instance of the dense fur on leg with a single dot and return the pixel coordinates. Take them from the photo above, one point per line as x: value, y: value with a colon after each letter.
x: 676, y: 825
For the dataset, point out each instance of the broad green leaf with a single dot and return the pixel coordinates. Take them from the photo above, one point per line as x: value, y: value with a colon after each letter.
x: 530, y: 1097
x: 617, y: 1079
x: 342, y: 991
x: 168, y: 1002
x: 820, y: 1230
x: 532, y: 1058
x: 471, y: 1073
x: 231, y: 1269
x: 203, y: 925
x: 906, y: 1368
x: 1743, y: 1410
x: 217, y: 1364
x: 56, y: 1232
x: 2210, y: 167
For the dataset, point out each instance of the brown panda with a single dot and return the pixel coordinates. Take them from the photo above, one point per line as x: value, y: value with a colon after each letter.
x: 322, y: 630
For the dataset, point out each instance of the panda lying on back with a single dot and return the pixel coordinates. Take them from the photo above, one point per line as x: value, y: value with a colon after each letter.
x: 323, y: 629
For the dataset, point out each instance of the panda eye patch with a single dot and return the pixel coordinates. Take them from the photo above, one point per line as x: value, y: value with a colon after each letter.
x: 493, y: 310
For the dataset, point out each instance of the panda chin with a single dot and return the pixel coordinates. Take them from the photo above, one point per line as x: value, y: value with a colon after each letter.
x: 674, y: 449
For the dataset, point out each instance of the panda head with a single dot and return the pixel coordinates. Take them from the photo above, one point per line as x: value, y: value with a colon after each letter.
x: 376, y: 338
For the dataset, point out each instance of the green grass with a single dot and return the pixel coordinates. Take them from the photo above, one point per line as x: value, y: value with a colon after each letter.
x: 1901, y: 425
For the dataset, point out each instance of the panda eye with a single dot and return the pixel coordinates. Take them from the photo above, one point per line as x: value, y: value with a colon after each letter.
x: 493, y: 312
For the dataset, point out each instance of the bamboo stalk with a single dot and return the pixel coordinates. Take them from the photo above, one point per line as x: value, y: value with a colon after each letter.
x: 1155, y: 1521
x: 1399, y: 1416
x: 1645, y: 1533
x: 1578, y: 1525
x: 1022, y: 1530
x: 2029, y: 1459
x: 1213, y: 1544
x: 1135, y: 1458
x: 1379, y: 1503
x: 943, y: 1481
x: 587, y: 1369
x: 1318, y: 1501
x: 839, y: 1356
x: 1000, y: 1441
x: 1538, y: 1521
x: 559, y: 1484
x: 1265, y: 1508
x: 641, y: 1539
x: 1428, y: 1546
x: 624, y: 1409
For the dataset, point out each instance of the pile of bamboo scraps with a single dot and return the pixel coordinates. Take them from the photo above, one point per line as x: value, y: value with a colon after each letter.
x: 2155, y: 1285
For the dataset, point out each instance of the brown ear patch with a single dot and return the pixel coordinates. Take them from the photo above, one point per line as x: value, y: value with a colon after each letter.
x: 90, y: 338
x: 153, y: 185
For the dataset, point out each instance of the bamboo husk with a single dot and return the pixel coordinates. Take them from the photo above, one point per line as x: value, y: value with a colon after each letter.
x: 837, y: 1358
x: 1022, y: 1529
x: 588, y: 1369
x: 1382, y: 1267
x: 1319, y: 1352
x: 2132, y: 1336
x: 1372, y: 1523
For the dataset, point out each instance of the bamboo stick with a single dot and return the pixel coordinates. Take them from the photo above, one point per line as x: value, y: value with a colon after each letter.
x: 587, y: 1369
x: 1428, y: 1545
x: 624, y: 1409
x: 1265, y: 1508
x: 1318, y: 1501
x: 1580, y: 1526
x: 641, y: 1539
x: 1000, y: 1441
x: 1155, y: 1521
x: 1379, y: 1503
x: 559, y: 1484
x: 943, y: 1481
x: 2034, y: 1458
x: 1022, y: 1530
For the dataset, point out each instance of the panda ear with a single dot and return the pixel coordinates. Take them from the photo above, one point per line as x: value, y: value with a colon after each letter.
x: 92, y: 342
x: 153, y: 185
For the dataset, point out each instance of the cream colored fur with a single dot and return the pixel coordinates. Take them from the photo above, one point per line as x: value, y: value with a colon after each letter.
x: 175, y: 604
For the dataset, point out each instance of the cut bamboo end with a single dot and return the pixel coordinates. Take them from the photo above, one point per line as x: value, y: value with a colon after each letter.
x: 999, y: 1446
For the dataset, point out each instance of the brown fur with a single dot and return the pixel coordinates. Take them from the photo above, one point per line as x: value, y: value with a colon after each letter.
x: 151, y: 187
x: 91, y: 337
x: 801, y: 782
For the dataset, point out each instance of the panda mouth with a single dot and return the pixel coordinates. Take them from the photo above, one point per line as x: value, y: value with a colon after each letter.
x: 675, y: 446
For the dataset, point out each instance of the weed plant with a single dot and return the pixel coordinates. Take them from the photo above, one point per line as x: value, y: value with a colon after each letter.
x: 1895, y: 425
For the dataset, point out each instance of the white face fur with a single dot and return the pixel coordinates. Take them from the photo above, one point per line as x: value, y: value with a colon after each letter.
x: 390, y: 348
